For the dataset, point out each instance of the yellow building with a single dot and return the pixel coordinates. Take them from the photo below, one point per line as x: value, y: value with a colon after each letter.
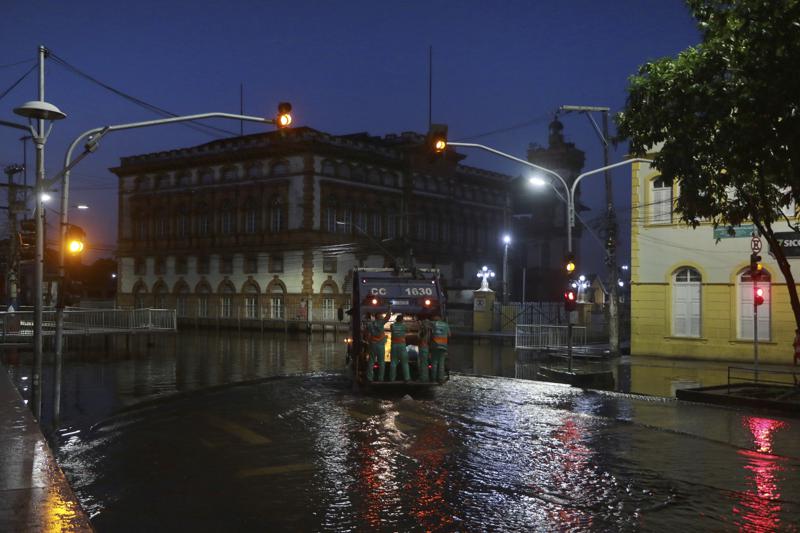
x: 691, y: 293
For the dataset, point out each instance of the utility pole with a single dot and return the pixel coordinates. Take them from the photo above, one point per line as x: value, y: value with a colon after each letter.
x: 12, y: 276
x: 611, y: 225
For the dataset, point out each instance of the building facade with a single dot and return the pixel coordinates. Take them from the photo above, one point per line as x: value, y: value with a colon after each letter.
x: 691, y: 292
x: 268, y: 226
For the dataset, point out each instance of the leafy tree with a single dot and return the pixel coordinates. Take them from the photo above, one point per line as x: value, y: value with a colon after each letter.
x: 726, y: 116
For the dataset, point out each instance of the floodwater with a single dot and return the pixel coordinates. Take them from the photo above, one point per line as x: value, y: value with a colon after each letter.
x: 185, y: 433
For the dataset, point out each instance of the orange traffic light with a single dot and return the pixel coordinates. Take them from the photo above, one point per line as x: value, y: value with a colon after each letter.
x: 284, y: 118
x: 437, y: 138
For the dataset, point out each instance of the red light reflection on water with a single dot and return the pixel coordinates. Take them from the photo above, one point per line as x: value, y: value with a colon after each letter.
x: 759, y: 507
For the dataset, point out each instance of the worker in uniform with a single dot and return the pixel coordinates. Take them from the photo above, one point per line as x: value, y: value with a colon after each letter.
x: 423, y: 359
x: 376, y: 339
x: 440, y: 334
x: 399, y: 350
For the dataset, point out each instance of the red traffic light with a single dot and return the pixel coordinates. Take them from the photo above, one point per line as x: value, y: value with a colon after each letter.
x: 570, y: 300
x: 758, y: 297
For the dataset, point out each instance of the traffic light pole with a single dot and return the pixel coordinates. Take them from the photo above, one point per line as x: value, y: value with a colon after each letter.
x: 755, y: 323
x: 92, y: 138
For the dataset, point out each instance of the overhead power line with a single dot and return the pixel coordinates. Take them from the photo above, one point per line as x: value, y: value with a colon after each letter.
x: 531, y: 122
x: 17, y: 82
x: 203, y: 128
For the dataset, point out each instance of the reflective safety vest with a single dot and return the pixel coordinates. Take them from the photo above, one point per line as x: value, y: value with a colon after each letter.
x: 398, y: 333
x: 375, y: 330
x: 440, y: 332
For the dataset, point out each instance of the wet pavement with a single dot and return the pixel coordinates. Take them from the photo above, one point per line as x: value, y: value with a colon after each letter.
x: 34, y: 494
x: 166, y: 437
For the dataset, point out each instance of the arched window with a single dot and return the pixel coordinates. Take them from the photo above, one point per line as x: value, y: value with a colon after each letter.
x: 250, y: 291
x: 226, y: 293
x: 389, y: 179
x: 140, y: 296
x: 328, y: 168
x: 276, y: 295
x: 746, y: 293
x: 203, y: 292
x: 181, y: 300
x: 328, y: 302
x: 686, y: 289
x: 160, y: 296
x: 661, y: 208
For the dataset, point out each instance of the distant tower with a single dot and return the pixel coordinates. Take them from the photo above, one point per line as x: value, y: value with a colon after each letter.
x: 544, y: 214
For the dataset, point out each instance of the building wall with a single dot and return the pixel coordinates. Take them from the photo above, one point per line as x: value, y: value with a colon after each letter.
x: 659, y: 250
x: 452, y: 213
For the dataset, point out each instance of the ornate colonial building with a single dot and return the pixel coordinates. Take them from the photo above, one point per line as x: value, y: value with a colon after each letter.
x: 269, y: 225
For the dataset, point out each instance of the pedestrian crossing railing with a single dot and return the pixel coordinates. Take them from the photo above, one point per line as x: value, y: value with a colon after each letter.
x: 89, y: 321
x: 541, y: 336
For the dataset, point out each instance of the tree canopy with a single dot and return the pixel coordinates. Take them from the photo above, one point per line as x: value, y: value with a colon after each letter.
x: 724, y: 118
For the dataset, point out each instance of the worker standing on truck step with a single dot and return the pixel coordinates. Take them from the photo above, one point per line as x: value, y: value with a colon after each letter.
x: 376, y: 337
x: 423, y: 359
x: 440, y: 333
x: 399, y: 350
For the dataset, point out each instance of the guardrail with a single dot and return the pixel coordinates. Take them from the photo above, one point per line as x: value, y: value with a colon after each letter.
x: 540, y: 336
x: 88, y: 321
x: 755, y: 376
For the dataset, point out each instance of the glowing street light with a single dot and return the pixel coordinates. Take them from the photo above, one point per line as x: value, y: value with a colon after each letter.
x: 506, y: 242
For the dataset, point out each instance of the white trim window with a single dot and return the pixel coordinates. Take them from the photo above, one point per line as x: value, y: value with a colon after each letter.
x: 686, y: 288
x: 661, y: 207
x: 745, y: 308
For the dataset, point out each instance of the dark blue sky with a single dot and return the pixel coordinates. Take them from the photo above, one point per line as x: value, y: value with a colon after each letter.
x: 346, y: 67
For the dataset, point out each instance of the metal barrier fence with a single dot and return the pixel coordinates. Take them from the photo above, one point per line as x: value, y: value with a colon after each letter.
x: 89, y: 321
x: 781, y: 377
x: 514, y: 313
x: 539, y: 336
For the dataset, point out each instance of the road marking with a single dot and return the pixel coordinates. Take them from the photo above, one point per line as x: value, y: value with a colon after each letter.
x: 244, y: 434
x: 275, y: 470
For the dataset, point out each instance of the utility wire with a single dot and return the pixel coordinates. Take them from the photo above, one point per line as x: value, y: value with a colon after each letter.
x: 531, y: 122
x: 17, y: 82
x: 7, y: 65
x: 203, y: 128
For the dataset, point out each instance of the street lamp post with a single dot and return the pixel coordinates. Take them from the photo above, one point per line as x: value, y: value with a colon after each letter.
x: 570, y: 193
x: 40, y: 111
x: 92, y: 138
x: 506, y: 242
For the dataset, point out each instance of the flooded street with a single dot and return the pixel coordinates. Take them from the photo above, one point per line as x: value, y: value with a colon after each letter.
x: 188, y: 432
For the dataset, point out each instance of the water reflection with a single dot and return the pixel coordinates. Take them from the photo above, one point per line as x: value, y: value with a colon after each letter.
x: 759, y: 507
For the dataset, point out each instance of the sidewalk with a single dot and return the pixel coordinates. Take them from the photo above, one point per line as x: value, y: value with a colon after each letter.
x: 34, y: 494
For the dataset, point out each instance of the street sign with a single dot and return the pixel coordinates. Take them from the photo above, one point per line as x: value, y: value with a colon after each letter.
x: 732, y: 232
x: 790, y: 242
x: 755, y: 244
